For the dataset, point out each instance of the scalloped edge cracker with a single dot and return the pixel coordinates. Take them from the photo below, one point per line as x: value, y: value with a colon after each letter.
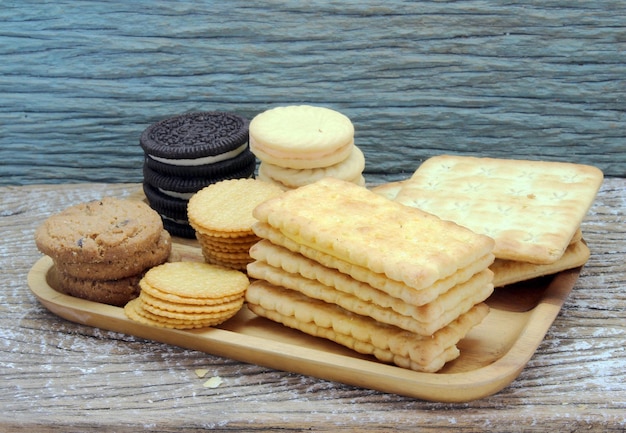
x: 363, y: 228
x: 362, y: 334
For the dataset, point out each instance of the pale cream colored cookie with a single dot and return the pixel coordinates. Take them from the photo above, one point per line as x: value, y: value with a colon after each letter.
x: 349, y: 169
x: 301, y: 136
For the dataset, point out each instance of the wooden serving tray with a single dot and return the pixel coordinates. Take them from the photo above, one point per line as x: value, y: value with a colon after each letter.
x: 492, y: 354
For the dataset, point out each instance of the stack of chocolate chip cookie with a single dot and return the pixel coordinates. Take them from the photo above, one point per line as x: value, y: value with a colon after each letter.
x: 185, y: 153
x: 341, y: 262
x: 101, y: 249
x: 301, y: 144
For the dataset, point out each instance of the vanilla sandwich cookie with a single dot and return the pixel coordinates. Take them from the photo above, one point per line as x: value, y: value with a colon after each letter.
x: 349, y: 169
x: 301, y: 136
x: 205, y: 144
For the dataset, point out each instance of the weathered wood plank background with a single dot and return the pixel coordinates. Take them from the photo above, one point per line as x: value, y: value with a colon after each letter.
x: 80, y: 80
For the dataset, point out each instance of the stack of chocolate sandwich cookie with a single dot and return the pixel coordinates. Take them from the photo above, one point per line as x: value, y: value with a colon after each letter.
x: 186, y: 153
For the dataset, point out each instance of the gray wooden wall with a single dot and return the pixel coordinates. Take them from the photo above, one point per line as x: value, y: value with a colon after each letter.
x: 80, y: 80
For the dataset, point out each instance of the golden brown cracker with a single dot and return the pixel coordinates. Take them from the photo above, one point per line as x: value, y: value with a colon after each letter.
x: 218, y: 307
x: 393, y: 288
x: 423, y: 320
x: 196, y: 280
x: 226, y: 206
x: 358, y: 226
x: 187, y: 300
x: 363, y: 334
x: 135, y: 310
x: 510, y: 271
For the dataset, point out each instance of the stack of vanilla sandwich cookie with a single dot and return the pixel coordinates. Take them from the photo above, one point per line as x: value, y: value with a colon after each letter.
x: 343, y: 263
x: 185, y: 153
x: 300, y: 144
x: 532, y: 209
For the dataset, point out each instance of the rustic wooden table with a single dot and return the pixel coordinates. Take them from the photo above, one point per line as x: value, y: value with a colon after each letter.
x: 61, y: 376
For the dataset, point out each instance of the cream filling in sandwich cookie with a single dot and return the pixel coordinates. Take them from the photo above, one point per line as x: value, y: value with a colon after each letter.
x: 194, y: 162
x: 349, y: 169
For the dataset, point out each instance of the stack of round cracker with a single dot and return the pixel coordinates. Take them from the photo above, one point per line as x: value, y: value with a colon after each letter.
x: 301, y: 144
x: 221, y: 215
x: 187, y: 295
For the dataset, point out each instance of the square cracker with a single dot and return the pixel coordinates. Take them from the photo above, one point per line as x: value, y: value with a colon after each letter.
x: 351, y: 223
x: 424, y: 320
x: 360, y: 333
x: 532, y: 209
x: 510, y: 271
x: 396, y: 289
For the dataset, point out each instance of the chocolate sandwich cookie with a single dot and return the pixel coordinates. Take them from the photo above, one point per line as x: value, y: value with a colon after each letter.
x: 186, y: 153
x: 184, y: 187
x: 243, y: 162
x: 173, y: 211
x: 190, y: 142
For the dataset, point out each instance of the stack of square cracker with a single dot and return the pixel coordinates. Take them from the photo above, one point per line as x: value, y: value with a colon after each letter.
x: 341, y: 262
x: 532, y: 209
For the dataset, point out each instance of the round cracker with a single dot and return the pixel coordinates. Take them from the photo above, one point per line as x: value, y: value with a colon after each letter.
x: 196, y: 280
x: 169, y: 297
x: 226, y: 206
x: 161, y: 304
x: 182, y: 315
x: 134, y: 310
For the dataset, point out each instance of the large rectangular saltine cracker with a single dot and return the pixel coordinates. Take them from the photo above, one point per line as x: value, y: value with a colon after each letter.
x: 532, y: 209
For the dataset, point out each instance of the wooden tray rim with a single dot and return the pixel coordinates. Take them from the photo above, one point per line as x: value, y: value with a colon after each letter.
x: 441, y: 387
